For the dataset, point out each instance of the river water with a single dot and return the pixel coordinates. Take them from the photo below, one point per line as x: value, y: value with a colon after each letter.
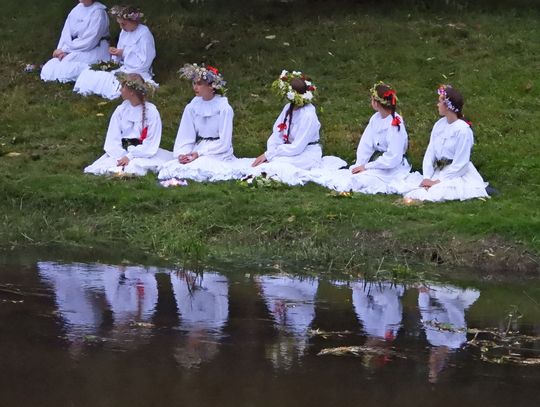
x: 94, y: 334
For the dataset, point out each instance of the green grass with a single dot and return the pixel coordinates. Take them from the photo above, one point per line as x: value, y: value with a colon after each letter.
x: 490, y: 53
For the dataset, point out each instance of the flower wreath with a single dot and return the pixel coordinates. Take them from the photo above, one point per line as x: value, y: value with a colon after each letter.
x: 143, y: 88
x: 127, y: 13
x: 442, y: 92
x: 209, y: 74
x: 282, y: 86
x: 389, y: 98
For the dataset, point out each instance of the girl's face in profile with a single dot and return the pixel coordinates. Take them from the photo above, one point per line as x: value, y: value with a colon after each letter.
x: 443, y: 109
x: 127, y: 25
x: 203, y: 89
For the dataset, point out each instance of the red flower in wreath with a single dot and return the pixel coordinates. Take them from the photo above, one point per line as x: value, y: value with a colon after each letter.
x: 212, y: 69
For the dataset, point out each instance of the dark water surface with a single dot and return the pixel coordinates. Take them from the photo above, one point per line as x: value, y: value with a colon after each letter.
x: 90, y: 334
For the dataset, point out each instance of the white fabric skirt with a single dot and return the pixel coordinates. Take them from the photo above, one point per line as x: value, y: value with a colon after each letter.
x: 205, y: 169
x: 102, y: 83
x: 106, y: 165
x: 211, y: 169
x: 371, y: 181
x: 70, y: 67
x: 469, y: 185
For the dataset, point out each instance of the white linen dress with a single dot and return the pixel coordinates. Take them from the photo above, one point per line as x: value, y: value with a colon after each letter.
x: 459, y: 179
x: 85, y: 40
x: 206, y: 127
x: 138, y: 55
x: 381, y: 173
x: 126, y: 123
x: 300, y: 160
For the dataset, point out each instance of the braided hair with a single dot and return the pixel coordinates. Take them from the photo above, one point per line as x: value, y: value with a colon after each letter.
x: 386, y: 97
x: 299, y: 85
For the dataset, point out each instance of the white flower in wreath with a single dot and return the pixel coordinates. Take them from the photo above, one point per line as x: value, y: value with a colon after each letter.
x: 284, y: 73
x: 282, y: 85
x: 308, y: 83
x: 308, y: 95
x: 296, y: 73
x: 290, y: 95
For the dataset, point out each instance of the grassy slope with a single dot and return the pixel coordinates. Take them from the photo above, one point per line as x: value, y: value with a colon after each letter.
x: 492, y: 56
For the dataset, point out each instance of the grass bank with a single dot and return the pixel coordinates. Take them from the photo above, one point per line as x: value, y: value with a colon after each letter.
x: 491, y: 54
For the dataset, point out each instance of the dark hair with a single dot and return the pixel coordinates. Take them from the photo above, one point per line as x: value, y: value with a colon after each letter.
x: 299, y: 85
x: 386, y: 93
x: 456, y: 99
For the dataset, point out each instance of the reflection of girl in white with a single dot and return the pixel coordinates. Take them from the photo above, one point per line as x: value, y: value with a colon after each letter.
x: 291, y: 301
x: 445, y: 305
x: 203, y: 305
x: 77, y: 288
x: 443, y: 316
x: 378, y: 307
x: 131, y: 292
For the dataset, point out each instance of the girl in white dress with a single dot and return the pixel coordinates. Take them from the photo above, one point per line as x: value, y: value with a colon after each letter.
x: 203, y: 148
x: 84, y: 41
x: 380, y: 157
x: 295, y: 134
x: 134, y: 53
x: 448, y: 173
x: 134, y: 133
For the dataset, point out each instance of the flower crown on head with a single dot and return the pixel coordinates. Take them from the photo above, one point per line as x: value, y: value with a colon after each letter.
x: 141, y: 87
x: 388, y: 99
x: 442, y: 92
x: 207, y: 73
x: 127, y: 13
x: 282, y: 86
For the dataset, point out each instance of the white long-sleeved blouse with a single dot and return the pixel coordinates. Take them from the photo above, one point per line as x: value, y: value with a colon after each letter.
x: 380, y: 135
x: 139, y: 50
x: 126, y: 122
x: 205, y: 119
x: 304, y: 129
x: 84, y: 28
x: 452, y: 141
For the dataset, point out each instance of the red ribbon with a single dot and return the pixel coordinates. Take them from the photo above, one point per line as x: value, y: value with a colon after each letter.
x: 282, y: 126
x: 396, y: 121
x: 144, y: 134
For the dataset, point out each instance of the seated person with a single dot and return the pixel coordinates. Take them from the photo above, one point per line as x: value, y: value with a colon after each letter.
x: 380, y: 157
x: 134, y: 53
x: 134, y: 133
x: 203, y: 148
x: 448, y: 173
x: 84, y: 41
x: 295, y: 134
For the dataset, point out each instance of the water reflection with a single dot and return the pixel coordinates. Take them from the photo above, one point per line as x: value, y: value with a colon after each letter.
x: 443, y: 317
x: 291, y: 302
x: 379, y: 309
x: 207, y: 323
x: 203, y: 307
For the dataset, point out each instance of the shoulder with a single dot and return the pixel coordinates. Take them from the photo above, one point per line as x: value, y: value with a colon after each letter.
x: 151, y: 108
x: 97, y: 6
x: 121, y: 108
x: 223, y: 103
x: 309, y: 111
x: 143, y: 30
